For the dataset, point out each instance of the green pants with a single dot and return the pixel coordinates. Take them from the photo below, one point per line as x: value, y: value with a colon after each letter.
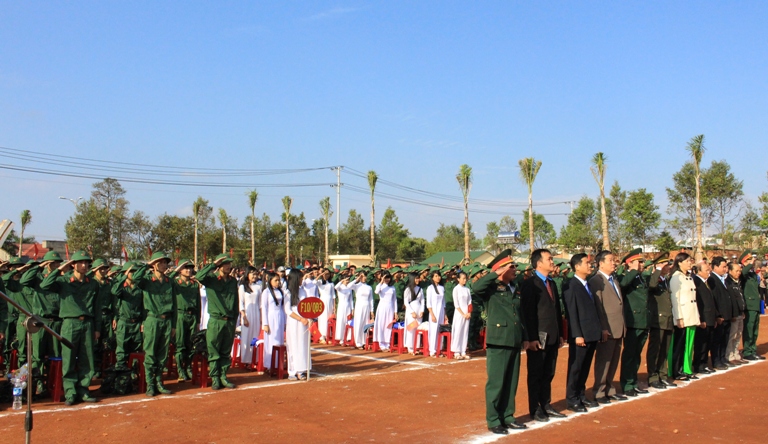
x: 129, y: 340
x: 219, y: 338
x: 634, y: 341
x: 186, y: 326
x: 157, y: 336
x: 503, y: 368
x: 751, y: 327
x: 55, y: 345
x: 77, y: 362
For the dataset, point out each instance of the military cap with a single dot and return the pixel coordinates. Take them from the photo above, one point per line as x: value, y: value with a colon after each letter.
x: 114, y: 270
x: 158, y: 256
x: 185, y: 263
x: 52, y: 256
x: 224, y: 258
x: 129, y: 265
x: 98, y: 263
x: 502, y: 259
x: 636, y: 254
x: 648, y: 263
x: 81, y: 255
x: 744, y: 256
x: 564, y: 266
x: 663, y: 257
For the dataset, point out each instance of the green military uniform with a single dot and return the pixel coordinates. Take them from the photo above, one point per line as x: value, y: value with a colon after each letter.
x: 222, y: 295
x: 751, y: 289
x: 449, y: 307
x: 476, y: 317
x: 3, y: 318
x: 107, y: 338
x: 128, y: 306
x: 159, y: 321
x: 79, y: 311
x: 187, y: 320
x: 16, y: 291
x: 661, y: 323
x: 635, y: 292
x: 504, y: 336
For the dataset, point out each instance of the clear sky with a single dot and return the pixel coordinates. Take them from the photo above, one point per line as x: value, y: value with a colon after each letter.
x: 409, y: 89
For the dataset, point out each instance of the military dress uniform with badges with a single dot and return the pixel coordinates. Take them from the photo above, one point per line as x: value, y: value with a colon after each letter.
x: 636, y: 314
x: 661, y: 323
x: 504, y: 336
x: 751, y: 289
x: 128, y: 307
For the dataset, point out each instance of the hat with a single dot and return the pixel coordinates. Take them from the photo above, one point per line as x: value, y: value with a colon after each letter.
x: 564, y: 266
x: 223, y: 258
x: 185, y: 263
x: 648, y: 263
x: 81, y: 255
x: 157, y: 257
x: 663, y: 257
x: 280, y: 268
x: 502, y: 259
x: 52, y: 256
x: 744, y: 256
x: 114, y: 269
x: 636, y: 254
x: 98, y: 263
x: 129, y: 265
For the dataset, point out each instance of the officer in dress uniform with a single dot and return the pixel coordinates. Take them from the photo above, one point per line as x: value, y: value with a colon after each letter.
x: 751, y: 289
x: 660, y: 322
x: 505, y: 339
x: 635, y: 292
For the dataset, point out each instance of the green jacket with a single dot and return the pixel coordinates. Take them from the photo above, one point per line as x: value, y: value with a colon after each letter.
x: 635, y: 291
x: 47, y: 303
x: 128, y: 300
x: 187, y: 296
x: 505, y: 327
x: 15, y: 291
x: 221, y: 292
x: 159, y: 299
x: 3, y: 310
x: 751, y: 288
x: 78, y: 298
x: 106, y: 299
x: 659, y: 302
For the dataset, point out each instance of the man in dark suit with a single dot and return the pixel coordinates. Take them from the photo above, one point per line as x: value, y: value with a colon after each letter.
x: 610, y: 309
x: 705, y: 302
x: 584, y: 334
x: 542, y: 316
x: 724, y: 308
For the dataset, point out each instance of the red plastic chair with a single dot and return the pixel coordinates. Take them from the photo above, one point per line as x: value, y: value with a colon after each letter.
x: 398, y: 339
x: 55, y: 380
x: 279, y: 354
x: 370, y: 344
x: 236, y: 362
x: 142, y: 375
x: 351, y: 341
x: 331, y: 331
x: 448, y: 352
x: 200, y: 371
x: 424, y: 336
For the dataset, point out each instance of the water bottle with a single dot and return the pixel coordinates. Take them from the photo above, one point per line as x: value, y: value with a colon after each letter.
x: 17, y: 388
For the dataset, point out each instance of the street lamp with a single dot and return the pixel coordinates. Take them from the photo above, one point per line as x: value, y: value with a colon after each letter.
x: 74, y: 201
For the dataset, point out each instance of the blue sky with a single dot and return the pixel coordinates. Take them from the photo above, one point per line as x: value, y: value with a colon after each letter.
x: 409, y: 89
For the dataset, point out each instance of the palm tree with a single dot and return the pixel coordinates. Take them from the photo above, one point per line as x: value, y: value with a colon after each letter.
x: 253, y: 196
x: 464, y: 177
x: 287, y: 202
x: 325, y: 210
x: 696, y: 148
x: 372, y: 179
x: 224, y: 219
x: 197, y: 205
x: 598, y: 172
x: 529, y: 168
x: 26, y: 219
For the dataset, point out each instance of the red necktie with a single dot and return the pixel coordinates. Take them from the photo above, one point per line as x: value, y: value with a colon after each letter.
x: 549, y: 289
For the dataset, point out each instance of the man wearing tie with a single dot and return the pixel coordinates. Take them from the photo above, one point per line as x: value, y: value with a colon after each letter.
x: 585, y: 332
x: 610, y: 310
x: 540, y: 306
x: 724, y: 308
x: 636, y: 317
x: 705, y: 302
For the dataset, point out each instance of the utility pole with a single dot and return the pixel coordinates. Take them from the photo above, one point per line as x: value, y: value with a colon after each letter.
x: 338, y: 204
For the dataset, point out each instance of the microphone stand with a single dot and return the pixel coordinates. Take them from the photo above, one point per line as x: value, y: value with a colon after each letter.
x: 32, y: 324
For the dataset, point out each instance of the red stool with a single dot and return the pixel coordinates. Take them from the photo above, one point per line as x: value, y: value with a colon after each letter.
x: 200, y: 371
x: 448, y: 351
x: 142, y: 375
x: 424, y: 336
x: 14, y: 360
x: 278, y: 353
x: 348, y: 342
x: 107, y: 359
x: 236, y: 362
x: 369, y: 344
x: 257, y: 358
x: 398, y: 336
x: 55, y: 380
x: 331, y: 330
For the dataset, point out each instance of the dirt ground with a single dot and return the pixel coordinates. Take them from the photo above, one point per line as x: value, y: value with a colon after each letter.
x: 360, y: 396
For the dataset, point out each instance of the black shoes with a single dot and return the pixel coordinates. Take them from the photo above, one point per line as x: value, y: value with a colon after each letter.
x: 760, y: 358
x: 669, y: 383
x: 658, y: 385
x: 540, y: 416
x: 631, y: 392
x: 750, y: 358
x: 516, y: 426
x: 618, y: 397
x: 577, y: 408
x: 721, y: 367
x: 641, y: 391
x: 589, y: 404
x: 551, y: 412
x: 499, y: 430
x: 603, y: 400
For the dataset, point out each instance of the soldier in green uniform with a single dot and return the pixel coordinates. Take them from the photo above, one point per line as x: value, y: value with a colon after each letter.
x: 80, y: 314
x: 449, y: 283
x: 46, y: 305
x: 99, y: 270
x: 159, y: 320
x: 221, y: 290
x: 660, y: 323
x: 635, y: 291
x: 128, y: 306
x: 12, y: 315
x: 187, y: 292
x: 505, y: 340
x: 25, y: 299
x: 750, y: 285
x: 3, y: 311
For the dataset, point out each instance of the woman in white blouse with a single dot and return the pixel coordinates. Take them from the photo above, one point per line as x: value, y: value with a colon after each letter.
x: 343, y: 307
x: 685, y: 315
x: 272, y: 317
x: 386, y: 312
x: 296, y: 329
x: 413, y: 298
x: 249, y: 292
x: 462, y: 302
x: 327, y: 292
x: 436, y: 307
x: 363, y: 308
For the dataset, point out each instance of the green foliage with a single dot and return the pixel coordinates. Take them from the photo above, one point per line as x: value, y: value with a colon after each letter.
x: 451, y: 238
x: 665, y: 242
x: 11, y: 244
x: 390, y: 235
x: 491, y: 241
x: 353, y: 235
x: 682, y: 201
x: 582, y: 232
x: 640, y: 216
x: 543, y: 233
x: 725, y: 193
x: 412, y: 249
x: 101, y: 221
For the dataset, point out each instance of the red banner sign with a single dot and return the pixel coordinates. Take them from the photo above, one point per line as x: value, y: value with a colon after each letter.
x: 311, y: 308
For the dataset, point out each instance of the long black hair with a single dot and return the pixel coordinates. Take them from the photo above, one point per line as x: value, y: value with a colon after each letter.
x: 294, y: 284
x: 245, y: 280
x: 412, y: 276
x: 431, y: 276
x: 270, y: 276
x: 681, y: 257
x: 385, y: 274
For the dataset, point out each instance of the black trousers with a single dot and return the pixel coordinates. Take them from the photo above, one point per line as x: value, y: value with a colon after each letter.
x: 541, y: 372
x: 579, y: 364
x: 702, y: 345
x: 720, y: 343
x: 656, y: 354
